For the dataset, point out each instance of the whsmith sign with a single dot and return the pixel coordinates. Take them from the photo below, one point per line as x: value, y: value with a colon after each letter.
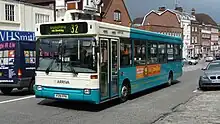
x: 7, y: 35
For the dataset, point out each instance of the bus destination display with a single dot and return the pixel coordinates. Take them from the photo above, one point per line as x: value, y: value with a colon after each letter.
x: 64, y: 28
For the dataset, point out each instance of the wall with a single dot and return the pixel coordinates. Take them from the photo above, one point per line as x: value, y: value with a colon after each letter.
x: 24, y: 16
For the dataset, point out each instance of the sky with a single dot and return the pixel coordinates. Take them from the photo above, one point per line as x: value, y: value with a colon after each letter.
x: 138, y: 8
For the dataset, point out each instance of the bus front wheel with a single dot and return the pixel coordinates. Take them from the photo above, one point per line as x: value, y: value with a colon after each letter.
x: 125, y: 91
x: 6, y: 90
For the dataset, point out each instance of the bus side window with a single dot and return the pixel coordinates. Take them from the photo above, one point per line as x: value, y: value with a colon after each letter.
x: 125, y: 53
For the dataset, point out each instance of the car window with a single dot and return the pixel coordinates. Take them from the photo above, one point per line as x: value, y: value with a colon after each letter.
x: 213, y: 66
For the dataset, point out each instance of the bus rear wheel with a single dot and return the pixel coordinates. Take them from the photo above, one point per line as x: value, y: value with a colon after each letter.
x: 125, y: 91
x: 6, y: 90
x: 170, y: 79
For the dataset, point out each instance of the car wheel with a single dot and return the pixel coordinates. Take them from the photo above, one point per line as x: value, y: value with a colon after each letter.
x: 31, y: 87
x: 6, y: 91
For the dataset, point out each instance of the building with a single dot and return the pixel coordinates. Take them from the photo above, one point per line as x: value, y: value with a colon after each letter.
x: 185, y: 21
x: 115, y: 12
x: 110, y: 11
x: 163, y: 21
x: 18, y: 19
x: 209, y: 34
x: 195, y: 47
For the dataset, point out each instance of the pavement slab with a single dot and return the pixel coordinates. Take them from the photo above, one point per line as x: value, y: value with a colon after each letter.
x: 203, y: 108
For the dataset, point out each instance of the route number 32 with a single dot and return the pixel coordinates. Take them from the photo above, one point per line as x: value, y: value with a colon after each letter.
x: 74, y: 29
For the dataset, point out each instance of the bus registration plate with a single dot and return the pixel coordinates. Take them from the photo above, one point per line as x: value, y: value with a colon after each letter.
x: 61, y: 96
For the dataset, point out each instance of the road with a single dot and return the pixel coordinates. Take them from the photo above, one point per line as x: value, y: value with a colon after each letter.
x: 143, y: 108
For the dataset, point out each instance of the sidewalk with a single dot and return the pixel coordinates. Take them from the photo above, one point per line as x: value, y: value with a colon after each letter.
x: 201, y: 109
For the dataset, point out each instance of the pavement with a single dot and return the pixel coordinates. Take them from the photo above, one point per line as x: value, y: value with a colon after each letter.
x: 201, y: 109
x: 158, y: 105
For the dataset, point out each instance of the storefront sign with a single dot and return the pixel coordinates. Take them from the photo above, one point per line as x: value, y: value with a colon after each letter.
x: 6, y: 35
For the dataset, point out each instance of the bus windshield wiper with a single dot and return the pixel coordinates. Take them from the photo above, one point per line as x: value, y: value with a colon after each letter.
x: 48, y: 68
x: 72, y: 69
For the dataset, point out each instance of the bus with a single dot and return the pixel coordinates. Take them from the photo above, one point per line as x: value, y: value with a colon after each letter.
x: 95, y: 62
x: 17, y: 65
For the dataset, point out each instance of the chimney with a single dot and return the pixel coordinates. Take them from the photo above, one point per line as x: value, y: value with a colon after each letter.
x: 180, y: 9
x: 162, y: 8
x: 193, y: 11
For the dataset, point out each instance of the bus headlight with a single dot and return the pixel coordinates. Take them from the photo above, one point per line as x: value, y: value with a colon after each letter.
x: 87, y: 91
x: 39, y: 88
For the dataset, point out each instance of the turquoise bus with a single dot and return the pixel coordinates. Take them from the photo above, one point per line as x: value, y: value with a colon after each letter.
x: 95, y: 62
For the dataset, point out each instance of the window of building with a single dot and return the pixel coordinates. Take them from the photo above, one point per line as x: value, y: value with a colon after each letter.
x: 9, y: 12
x: 196, y: 40
x: 152, y: 51
x: 162, y: 53
x: 139, y: 52
x: 170, y: 51
x: 41, y: 18
x: 193, y: 38
x: 117, y: 15
x: 125, y: 47
x: 195, y: 29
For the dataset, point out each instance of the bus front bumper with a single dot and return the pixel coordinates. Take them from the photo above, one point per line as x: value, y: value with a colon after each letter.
x: 91, y: 95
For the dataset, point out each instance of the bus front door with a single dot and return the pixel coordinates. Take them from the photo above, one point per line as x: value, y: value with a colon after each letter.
x: 109, y: 68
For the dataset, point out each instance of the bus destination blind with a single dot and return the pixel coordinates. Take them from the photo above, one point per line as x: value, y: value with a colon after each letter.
x: 64, y: 28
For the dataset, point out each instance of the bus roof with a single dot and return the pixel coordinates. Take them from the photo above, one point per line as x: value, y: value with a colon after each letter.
x: 153, y: 36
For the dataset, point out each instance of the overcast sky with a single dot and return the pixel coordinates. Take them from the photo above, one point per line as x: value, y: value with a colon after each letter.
x: 138, y: 8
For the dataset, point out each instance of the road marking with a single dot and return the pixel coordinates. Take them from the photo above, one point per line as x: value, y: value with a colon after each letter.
x: 195, y: 91
x: 19, y: 99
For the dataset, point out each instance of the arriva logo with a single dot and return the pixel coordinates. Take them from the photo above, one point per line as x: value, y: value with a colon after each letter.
x: 63, y: 82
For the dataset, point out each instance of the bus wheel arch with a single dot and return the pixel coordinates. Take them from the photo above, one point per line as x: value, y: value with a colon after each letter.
x: 170, y: 78
x: 125, y: 90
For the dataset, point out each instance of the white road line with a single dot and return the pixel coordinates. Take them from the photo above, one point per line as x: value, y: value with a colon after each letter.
x: 19, y: 99
x: 195, y: 91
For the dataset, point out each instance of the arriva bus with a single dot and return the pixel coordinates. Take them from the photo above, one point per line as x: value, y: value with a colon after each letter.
x: 91, y: 61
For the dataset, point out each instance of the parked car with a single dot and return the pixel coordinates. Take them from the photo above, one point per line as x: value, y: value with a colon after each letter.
x: 211, y: 75
x: 209, y: 58
x: 192, y: 61
x: 217, y: 57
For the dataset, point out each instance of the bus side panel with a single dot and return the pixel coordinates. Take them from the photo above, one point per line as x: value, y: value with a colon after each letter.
x: 176, y: 67
x: 140, y: 84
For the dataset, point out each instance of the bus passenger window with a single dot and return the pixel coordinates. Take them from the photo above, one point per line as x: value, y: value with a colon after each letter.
x: 170, y: 52
x: 152, y: 53
x: 125, y: 53
x: 139, y: 52
x: 162, y: 53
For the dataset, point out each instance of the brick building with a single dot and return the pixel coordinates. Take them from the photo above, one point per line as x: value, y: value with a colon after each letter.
x: 162, y: 21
